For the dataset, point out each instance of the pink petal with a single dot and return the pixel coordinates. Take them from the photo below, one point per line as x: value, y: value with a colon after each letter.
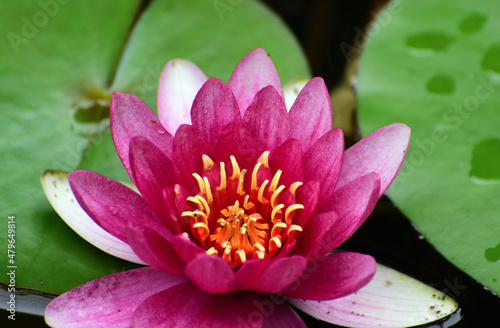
x: 288, y: 158
x: 323, y: 162
x: 212, y: 274
x: 111, y: 204
x: 58, y: 191
x: 316, y: 239
x: 382, y: 151
x: 155, y: 250
x: 277, y: 315
x: 231, y: 310
x: 271, y: 276
x: 153, y: 171
x: 307, y: 195
x: 391, y: 299
x: 267, y: 120
x: 108, y: 301
x: 131, y: 117
x: 179, y: 82
x: 235, y: 140
x: 186, y: 249
x: 353, y: 203
x: 311, y: 113
x: 254, y: 71
x: 178, y: 306
x: 333, y: 276
x: 189, y: 147
x: 213, y: 108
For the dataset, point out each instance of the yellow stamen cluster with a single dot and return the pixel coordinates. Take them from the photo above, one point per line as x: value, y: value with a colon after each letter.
x: 253, y: 225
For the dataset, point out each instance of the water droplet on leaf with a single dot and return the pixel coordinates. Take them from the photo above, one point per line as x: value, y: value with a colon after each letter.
x: 436, y: 41
x: 441, y: 84
x: 485, y: 164
x: 472, y: 23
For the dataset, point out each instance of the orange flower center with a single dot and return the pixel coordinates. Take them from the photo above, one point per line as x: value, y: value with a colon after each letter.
x: 237, y: 225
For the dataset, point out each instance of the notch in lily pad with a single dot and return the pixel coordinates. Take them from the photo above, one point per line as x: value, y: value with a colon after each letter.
x: 91, y: 116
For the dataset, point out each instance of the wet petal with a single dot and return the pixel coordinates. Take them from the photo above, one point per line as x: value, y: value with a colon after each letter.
x: 131, y: 117
x: 254, y: 71
x: 58, y: 191
x: 332, y: 276
x: 179, y: 83
x: 382, y: 151
x: 108, y: 301
x: 391, y: 299
x: 111, y: 204
x: 213, y: 108
x: 311, y: 113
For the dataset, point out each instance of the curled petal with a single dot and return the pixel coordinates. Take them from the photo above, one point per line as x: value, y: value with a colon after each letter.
x: 332, y: 276
x: 254, y: 71
x: 57, y: 189
x: 109, y: 301
x: 131, y: 117
x: 179, y: 82
x: 382, y: 152
x: 391, y: 299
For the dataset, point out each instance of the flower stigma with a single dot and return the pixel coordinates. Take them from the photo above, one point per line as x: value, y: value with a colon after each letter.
x: 238, y: 225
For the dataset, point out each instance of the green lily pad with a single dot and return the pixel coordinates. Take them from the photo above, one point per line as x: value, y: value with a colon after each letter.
x: 60, y: 62
x: 448, y: 91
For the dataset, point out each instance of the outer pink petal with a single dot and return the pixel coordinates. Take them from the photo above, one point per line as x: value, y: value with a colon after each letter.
x: 382, y: 151
x: 154, y: 249
x: 333, y: 276
x: 267, y: 120
x: 131, y: 117
x: 179, y: 82
x: 323, y: 162
x: 280, y: 316
x: 178, y: 306
x: 212, y: 274
x: 254, y: 71
x: 316, y: 240
x: 112, y: 205
x: 107, y: 301
x: 231, y: 310
x: 288, y: 158
x: 271, y: 276
x: 311, y: 113
x: 189, y: 147
x: 153, y: 171
x: 353, y: 203
x: 213, y: 108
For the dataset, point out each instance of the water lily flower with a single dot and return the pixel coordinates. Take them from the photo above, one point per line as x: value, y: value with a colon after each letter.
x: 239, y: 198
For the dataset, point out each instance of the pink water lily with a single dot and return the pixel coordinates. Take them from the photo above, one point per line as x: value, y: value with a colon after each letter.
x: 239, y: 197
